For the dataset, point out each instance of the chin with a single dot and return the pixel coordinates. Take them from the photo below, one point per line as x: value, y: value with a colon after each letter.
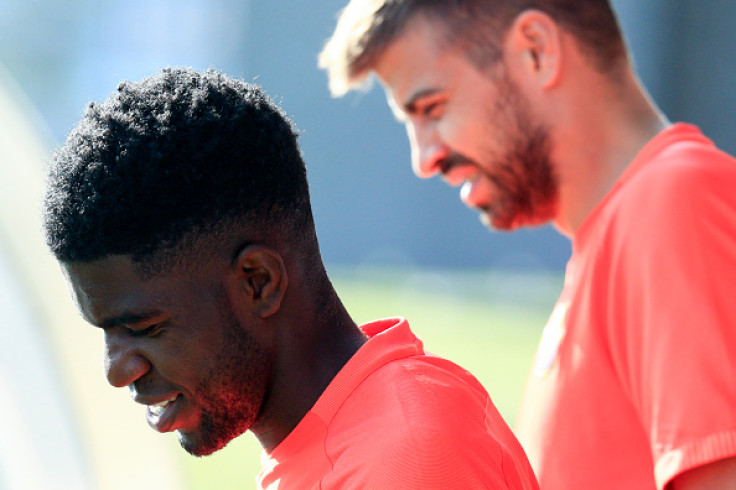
x: 197, y: 445
x: 509, y: 224
x: 495, y: 223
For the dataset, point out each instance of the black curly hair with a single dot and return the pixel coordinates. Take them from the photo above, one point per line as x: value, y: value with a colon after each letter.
x: 180, y: 154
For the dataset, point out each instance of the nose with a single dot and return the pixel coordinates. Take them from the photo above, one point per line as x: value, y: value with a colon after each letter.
x: 427, y: 150
x: 124, y: 364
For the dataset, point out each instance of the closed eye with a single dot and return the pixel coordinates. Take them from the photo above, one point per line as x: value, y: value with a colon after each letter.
x: 433, y: 110
x: 146, y: 332
x: 428, y: 103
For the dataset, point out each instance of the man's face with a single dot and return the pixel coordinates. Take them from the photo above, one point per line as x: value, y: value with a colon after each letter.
x: 175, y: 341
x: 476, y: 129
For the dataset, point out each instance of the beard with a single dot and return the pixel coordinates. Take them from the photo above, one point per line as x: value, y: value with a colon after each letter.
x: 232, y: 392
x: 521, y: 171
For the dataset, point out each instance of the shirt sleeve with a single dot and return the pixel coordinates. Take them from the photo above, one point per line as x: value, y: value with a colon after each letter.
x: 673, y: 316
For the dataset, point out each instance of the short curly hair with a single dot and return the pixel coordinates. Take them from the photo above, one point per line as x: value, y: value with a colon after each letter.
x: 179, y: 154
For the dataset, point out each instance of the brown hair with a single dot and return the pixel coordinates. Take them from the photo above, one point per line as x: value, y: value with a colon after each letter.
x: 365, y: 28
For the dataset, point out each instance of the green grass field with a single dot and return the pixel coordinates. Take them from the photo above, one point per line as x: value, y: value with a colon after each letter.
x: 488, y: 322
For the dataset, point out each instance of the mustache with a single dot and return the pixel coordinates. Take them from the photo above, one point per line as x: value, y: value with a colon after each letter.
x: 454, y: 160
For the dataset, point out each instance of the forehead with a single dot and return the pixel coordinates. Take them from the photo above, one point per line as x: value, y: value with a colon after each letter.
x: 112, y: 288
x: 417, y: 59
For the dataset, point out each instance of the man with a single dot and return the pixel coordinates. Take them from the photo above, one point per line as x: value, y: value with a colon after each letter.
x: 533, y: 108
x: 180, y: 213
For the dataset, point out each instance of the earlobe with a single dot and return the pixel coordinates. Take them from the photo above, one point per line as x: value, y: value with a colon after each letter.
x: 534, y: 41
x: 262, y: 278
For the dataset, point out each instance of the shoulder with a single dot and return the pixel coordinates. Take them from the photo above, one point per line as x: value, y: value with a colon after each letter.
x: 423, y: 388
x: 679, y: 173
x: 686, y: 188
x: 419, y: 422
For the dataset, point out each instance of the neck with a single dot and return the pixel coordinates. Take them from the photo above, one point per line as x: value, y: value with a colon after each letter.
x: 604, y: 132
x: 312, y: 351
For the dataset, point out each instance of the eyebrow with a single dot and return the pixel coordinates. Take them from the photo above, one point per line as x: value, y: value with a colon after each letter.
x: 130, y: 318
x: 410, y: 106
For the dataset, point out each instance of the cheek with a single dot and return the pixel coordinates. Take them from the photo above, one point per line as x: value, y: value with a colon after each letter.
x: 186, y: 359
x: 466, y: 133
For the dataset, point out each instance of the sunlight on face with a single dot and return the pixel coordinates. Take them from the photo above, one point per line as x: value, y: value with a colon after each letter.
x: 174, y: 340
x: 232, y: 392
x: 474, y: 128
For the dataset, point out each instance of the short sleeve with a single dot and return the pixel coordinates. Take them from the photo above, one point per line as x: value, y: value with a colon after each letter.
x: 672, y: 318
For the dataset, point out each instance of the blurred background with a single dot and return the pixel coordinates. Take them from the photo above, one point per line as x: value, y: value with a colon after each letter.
x: 393, y: 244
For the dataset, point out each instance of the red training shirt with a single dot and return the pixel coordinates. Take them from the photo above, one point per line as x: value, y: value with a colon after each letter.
x: 397, y: 418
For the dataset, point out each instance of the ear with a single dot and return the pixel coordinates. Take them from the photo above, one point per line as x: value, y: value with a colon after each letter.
x: 533, y: 44
x: 262, y: 279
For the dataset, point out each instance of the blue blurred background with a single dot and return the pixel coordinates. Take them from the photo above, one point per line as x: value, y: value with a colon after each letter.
x: 370, y: 209
x: 61, y: 426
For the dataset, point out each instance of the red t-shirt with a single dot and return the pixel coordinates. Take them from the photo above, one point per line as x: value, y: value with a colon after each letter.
x: 397, y: 418
x: 635, y: 377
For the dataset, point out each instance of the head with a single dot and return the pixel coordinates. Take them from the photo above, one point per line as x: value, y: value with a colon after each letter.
x: 446, y: 69
x: 175, y: 208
